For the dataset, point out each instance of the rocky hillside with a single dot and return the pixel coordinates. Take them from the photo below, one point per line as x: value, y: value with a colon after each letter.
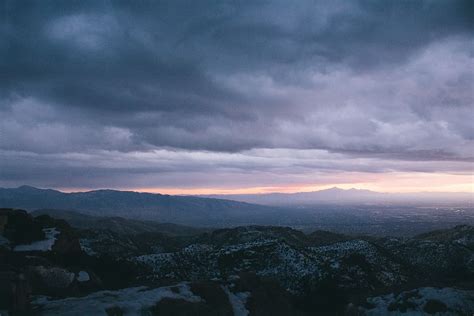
x: 51, y: 268
x: 116, y: 224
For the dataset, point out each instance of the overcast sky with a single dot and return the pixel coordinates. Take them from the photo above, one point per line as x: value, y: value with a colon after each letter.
x: 196, y: 96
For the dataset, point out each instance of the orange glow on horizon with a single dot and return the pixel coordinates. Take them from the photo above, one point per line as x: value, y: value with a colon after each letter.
x: 388, y: 182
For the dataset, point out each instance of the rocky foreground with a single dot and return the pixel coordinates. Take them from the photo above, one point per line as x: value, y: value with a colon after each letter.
x: 48, y: 267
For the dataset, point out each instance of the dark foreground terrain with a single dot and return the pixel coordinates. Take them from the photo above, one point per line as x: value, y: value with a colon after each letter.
x: 114, y: 266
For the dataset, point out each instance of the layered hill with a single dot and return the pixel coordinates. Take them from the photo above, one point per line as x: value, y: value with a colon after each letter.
x: 118, y: 224
x: 184, y: 210
x: 351, y: 196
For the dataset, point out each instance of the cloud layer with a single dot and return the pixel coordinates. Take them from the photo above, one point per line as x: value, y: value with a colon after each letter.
x: 186, y: 93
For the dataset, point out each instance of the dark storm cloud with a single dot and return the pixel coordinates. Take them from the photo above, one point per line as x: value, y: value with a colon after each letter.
x: 164, y: 168
x: 388, y: 80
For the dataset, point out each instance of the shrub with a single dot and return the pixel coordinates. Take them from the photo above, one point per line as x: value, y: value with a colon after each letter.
x: 434, y: 306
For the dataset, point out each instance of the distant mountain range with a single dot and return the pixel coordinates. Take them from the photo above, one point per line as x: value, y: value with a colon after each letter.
x: 355, y: 196
x: 184, y: 210
x: 333, y: 209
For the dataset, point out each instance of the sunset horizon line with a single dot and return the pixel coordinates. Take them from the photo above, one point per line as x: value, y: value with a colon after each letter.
x: 243, y: 191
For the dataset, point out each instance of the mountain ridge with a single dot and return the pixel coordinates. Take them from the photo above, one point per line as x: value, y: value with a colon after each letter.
x: 117, y: 224
x: 185, y: 210
x: 337, y: 195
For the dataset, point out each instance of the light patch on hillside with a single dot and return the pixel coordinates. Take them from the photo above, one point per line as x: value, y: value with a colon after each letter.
x: 41, y: 245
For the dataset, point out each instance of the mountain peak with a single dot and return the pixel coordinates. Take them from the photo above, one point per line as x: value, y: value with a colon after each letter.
x: 334, y: 189
x: 28, y: 188
x: 31, y: 189
x: 354, y: 190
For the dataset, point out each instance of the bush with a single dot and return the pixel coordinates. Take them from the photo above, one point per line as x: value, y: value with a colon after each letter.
x: 114, y: 311
x: 434, y: 306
